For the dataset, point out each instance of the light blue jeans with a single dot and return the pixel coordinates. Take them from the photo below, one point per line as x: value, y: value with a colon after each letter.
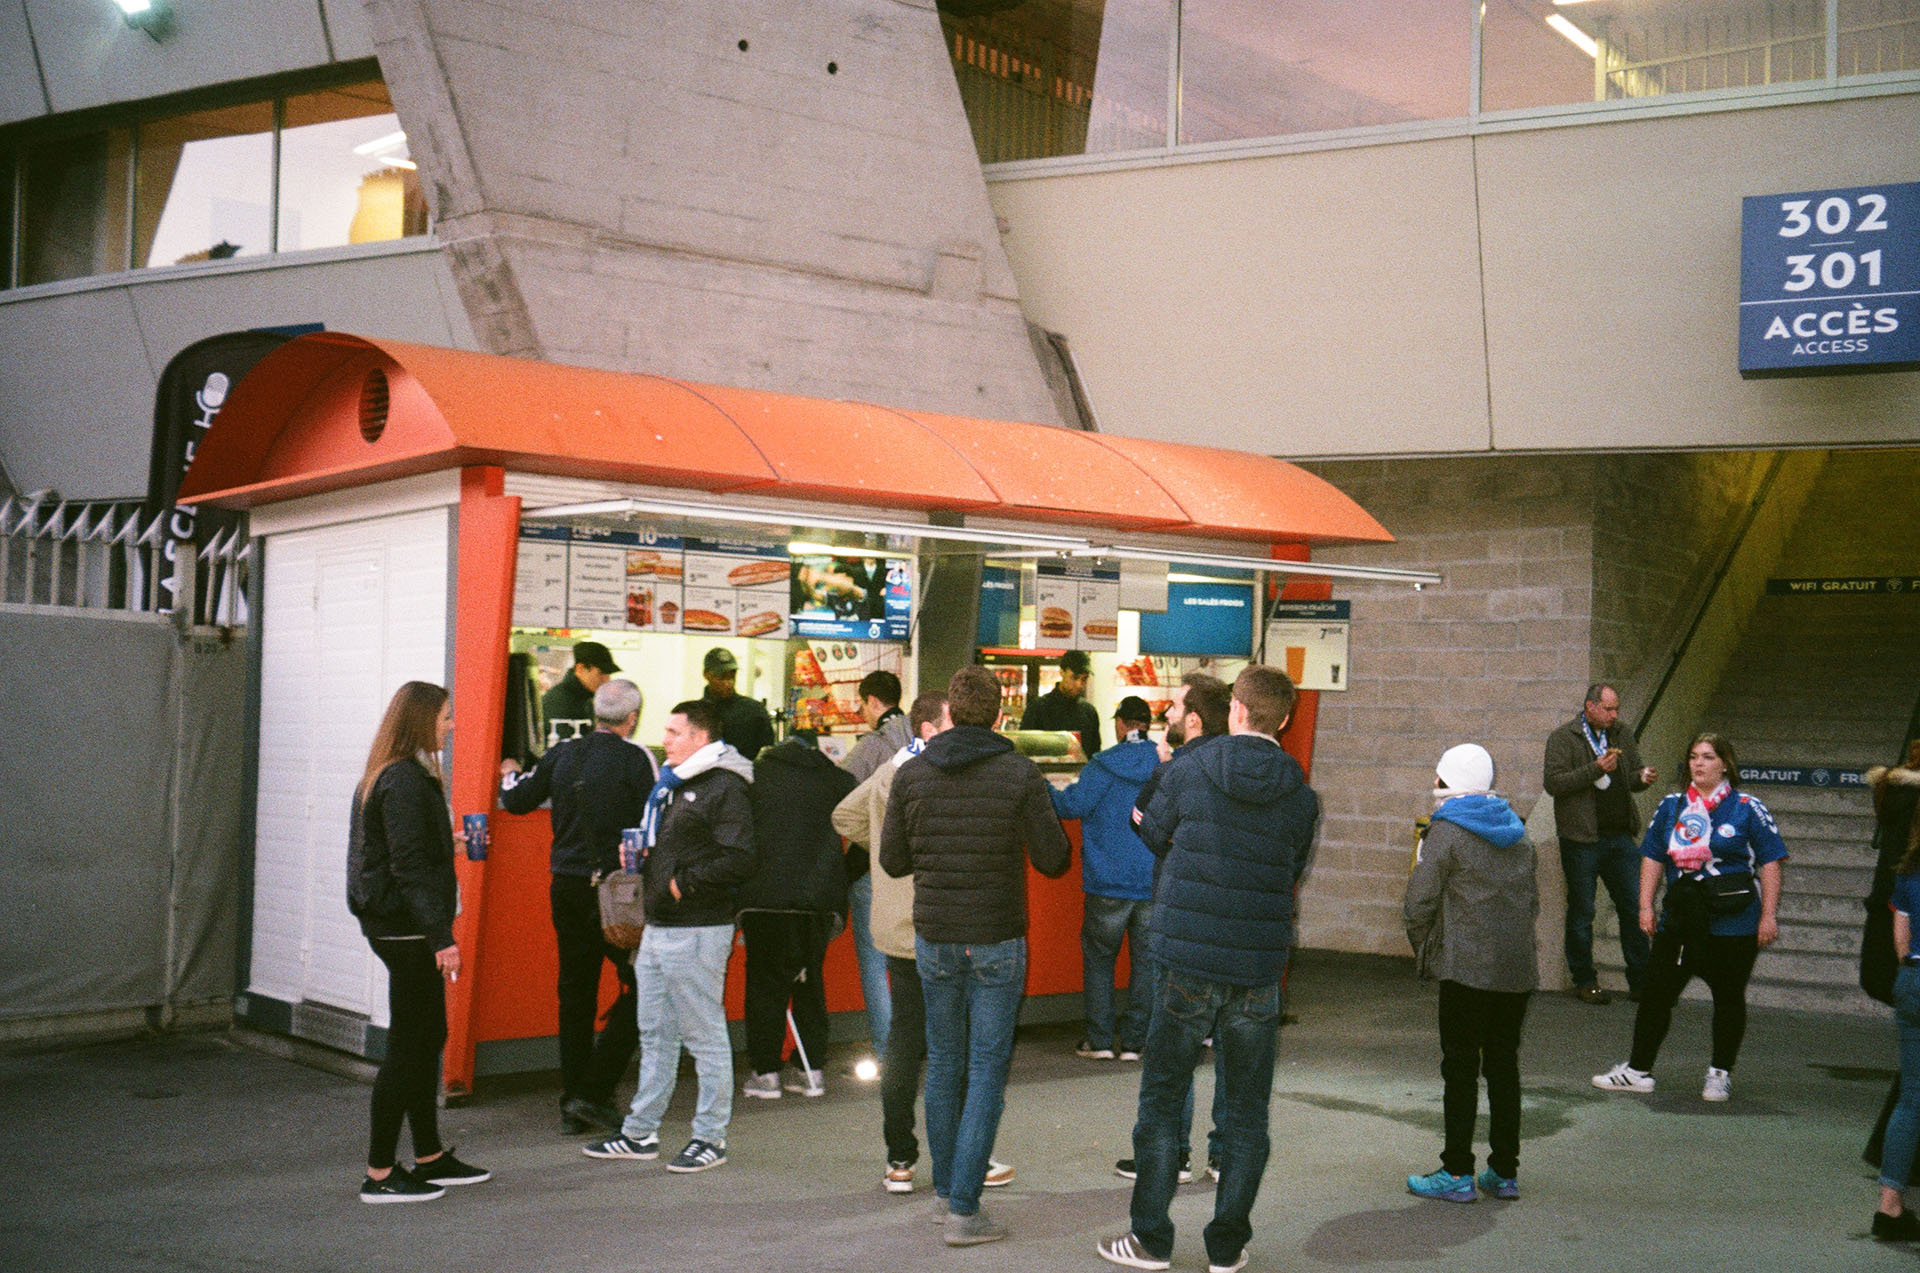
x: 873, y: 962
x: 973, y: 1003
x: 680, y: 976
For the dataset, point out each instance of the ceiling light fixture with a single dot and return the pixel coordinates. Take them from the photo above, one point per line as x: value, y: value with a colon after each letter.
x: 1586, y: 43
x: 151, y: 16
x: 392, y: 141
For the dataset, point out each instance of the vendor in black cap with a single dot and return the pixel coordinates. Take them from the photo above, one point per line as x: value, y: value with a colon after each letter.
x: 744, y: 723
x: 571, y: 698
x: 1065, y: 706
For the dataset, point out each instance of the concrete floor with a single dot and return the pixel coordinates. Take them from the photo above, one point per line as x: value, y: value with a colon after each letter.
x: 195, y: 1153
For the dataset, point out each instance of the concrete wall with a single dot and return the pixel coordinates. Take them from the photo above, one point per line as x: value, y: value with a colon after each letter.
x: 752, y: 194
x: 1545, y: 289
x: 1494, y: 656
x: 79, y: 362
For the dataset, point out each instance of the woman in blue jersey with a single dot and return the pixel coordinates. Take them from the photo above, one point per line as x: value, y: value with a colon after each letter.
x: 1720, y: 854
x: 1894, y: 796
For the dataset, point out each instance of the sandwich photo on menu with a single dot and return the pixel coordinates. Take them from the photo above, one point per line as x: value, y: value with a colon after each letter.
x: 1056, y: 622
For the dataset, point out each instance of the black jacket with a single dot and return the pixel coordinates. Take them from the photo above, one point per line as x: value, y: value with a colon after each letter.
x: 744, y: 723
x: 706, y: 846
x: 1234, y: 820
x: 598, y: 785
x: 958, y: 820
x: 400, y: 880
x: 1054, y: 710
x: 795, y: 788
x: 567, y: 700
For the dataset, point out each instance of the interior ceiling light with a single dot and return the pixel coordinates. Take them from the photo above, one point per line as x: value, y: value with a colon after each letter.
x: 392, y: 141
x: 1586, y: 43
x: 151, y: 16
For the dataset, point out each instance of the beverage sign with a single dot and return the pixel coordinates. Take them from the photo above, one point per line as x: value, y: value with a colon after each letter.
x: 1830, y: 280
x: 1308, y: 640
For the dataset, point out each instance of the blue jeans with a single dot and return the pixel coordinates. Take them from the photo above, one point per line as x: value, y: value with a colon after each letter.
x: 1244, y: 1022
x: 972, y: 996
x: 1613, y: 860
x: 1903, y: 1128
x: 1148, y: 992
x: 680, y: 975
x: 873, y: 963
x: 1106, y: 920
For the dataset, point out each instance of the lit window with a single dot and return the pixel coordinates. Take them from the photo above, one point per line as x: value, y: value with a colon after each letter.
x: 345, y: 172
x: 1879, y: 36
x: 75, y: 206
x: 1553, y: 52
x: 204, y: 186
x: 1262, y: 68
x: 1060, y: 77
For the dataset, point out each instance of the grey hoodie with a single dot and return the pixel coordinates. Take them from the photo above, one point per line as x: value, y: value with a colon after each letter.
x: 1472, y: 900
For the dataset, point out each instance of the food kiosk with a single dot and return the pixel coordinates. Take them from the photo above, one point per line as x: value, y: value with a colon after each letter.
x: 437, y: 514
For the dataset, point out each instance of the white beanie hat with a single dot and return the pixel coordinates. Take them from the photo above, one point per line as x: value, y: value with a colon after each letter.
x: 1466, y: 768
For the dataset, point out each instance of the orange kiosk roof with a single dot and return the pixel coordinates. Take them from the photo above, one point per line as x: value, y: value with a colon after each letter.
x: 329, y: 410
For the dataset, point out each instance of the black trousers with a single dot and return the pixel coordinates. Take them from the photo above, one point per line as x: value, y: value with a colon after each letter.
x: 407, y: 1088
x: 784, y: 954
x: 905, y: 1061
x: 589, y: 1065
x: 1480, y: 1036
x: 1724, y: 963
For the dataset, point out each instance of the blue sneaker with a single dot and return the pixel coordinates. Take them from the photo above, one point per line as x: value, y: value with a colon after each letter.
x: 1443, y: 1185
x: 1495, y: 1185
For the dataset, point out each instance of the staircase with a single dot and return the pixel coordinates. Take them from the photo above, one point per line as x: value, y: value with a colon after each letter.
x: 1826, y: 681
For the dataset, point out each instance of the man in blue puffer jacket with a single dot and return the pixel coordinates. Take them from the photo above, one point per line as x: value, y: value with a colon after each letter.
x: 1116, y: 873
x: 1234, y: 821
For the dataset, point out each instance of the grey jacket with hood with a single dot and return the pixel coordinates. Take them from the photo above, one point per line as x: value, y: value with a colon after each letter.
x: 1472, y: 900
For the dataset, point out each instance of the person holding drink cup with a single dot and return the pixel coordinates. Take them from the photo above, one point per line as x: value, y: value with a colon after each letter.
x: 402, y: 889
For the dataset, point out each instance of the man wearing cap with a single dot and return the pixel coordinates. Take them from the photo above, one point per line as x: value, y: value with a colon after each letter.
x: 571, y: 697
x: 744, y: 723
x: 1065, y: 706
x: 1116, y: 873
x: 1592, y: 770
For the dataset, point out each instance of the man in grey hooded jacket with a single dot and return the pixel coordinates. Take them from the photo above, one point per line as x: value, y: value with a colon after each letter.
x: 1470, y: 911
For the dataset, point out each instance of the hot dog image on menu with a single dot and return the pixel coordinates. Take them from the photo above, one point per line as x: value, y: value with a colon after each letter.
x: 705, y: 621
x: 758, y: 573
x: 760, y: 623
x: 1101, y: 629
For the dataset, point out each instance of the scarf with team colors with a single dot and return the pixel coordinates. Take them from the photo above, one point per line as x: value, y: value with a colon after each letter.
x: 1691, y: 843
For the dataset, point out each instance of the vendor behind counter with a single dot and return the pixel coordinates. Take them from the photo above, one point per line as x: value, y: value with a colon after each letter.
x: 1065, y: 706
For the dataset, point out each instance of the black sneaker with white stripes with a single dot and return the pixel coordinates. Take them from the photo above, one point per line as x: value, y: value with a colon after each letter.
x: 398, y: 1186
x: 622, y: 1147
x: 699, y: 1155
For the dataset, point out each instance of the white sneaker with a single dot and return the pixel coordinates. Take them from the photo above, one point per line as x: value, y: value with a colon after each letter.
x: 1235, y: 1267
x: 998, y: 1175
x: 1718, y: 1087
x: 1624, y: 1078
x: 764, y: 1086
x: 806, y: 1082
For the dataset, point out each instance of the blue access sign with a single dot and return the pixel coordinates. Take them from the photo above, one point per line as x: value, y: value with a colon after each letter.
x: 1830, y: 281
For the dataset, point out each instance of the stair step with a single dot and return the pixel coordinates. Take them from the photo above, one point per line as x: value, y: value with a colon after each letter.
x: 1788, y: 802
x: 1818, y: 908
x: 1831, y: 882
x: 1831, y: 855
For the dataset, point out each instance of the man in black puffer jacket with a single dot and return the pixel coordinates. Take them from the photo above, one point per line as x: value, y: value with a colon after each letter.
x: 790, y: 909
x: 964, y: 817
x: 1233, y: 822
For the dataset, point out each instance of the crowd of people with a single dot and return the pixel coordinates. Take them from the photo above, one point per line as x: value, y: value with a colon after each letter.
x: 1192, y: 852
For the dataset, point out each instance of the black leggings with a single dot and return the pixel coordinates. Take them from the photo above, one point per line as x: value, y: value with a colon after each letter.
x: 408, y: 1086
x: 1724, y: 963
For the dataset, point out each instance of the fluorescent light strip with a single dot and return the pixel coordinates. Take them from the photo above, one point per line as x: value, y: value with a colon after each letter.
x: 806, y: 521
x: 1586, y: 43
x: 389, y: 142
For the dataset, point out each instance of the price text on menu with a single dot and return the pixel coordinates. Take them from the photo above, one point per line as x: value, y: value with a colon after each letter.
x: 1830, y: 281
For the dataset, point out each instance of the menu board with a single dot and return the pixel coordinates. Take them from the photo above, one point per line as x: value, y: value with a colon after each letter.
x: 540, y: 578
x: 735, y: 588
x: 1308, y: 639
x: 640, y: 581
x: 1077, y: 605
x: 852, y: 597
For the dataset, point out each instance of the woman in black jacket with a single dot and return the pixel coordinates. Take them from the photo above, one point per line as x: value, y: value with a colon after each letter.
x: 401, y: 886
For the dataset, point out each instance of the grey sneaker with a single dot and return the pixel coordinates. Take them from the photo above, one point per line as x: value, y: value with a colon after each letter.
x: 764, y: 1086
x: 805, y: 1082
x: 1126, y: 1249
x: 974, y: 1229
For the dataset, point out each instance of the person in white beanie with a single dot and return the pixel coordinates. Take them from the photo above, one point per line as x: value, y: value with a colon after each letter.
x: 1470, y: 911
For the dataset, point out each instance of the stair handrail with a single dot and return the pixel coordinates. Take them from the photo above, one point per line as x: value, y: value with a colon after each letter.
x: 1677, y: 650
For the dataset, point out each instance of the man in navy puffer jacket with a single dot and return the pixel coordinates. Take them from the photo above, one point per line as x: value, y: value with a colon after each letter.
x: 1234, y: 821
x: 1116, y: 874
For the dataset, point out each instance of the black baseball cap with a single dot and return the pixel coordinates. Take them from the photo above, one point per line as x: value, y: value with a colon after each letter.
x: 1134, y: 710
x: 596, y: 656
x: 719, y: 662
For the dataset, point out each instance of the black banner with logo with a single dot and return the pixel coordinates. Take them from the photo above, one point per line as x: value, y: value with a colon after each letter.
x: 193, y: 388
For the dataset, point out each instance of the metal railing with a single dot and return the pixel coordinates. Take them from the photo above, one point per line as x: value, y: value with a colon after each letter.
x: 115, y: 555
